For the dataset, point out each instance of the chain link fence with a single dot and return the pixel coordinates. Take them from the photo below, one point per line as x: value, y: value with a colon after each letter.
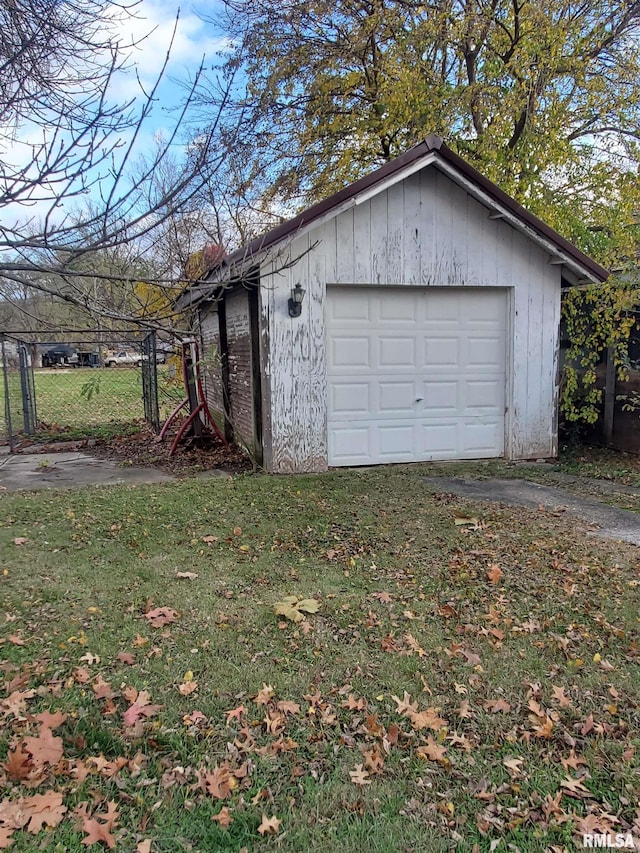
x: 84, y: 385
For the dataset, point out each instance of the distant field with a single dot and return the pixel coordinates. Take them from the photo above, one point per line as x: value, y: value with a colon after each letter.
x: 83, y: 399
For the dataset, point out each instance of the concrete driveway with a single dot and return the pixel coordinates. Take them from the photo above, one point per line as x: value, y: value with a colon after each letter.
x: 68, y: 470
x: 606, y: 521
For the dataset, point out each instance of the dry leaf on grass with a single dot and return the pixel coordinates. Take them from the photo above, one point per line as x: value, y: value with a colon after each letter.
x: 359, y: 776
x: 269, y: 825
x: 98, y: 827
x: 45, y: 810
x: 223, y: 818
x: 191, y: 576
x: 294, y: 608
x: 218, y: 782
x: 161, y: 616
x: 264, y: 695
x: 494, y: 573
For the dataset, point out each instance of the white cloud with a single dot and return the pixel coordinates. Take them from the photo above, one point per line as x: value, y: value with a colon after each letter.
x: 152, y: 33
x: 151, y: 30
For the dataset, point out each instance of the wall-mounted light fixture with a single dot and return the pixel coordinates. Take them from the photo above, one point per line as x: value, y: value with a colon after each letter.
x: 295, y: 301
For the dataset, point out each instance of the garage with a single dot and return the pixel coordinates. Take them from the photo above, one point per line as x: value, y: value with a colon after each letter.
x: 415, y: 374
x: 412, y: 316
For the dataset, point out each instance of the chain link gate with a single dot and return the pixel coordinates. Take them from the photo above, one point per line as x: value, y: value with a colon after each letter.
x: 78, y: 384
x: 150, y: 380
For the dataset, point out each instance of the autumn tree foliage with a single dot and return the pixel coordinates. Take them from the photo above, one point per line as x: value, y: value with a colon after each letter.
x: 541, y: 95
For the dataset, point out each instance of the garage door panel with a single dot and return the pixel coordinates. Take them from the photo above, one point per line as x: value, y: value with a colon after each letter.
x: 486, y: 351
x: 349, y: 399
x: 394, y: 441
x: 419, y: 374
x: 350, y: 442
x: 403, y: 311
x: 396, y: 397
x: 441, y: 352
x: 440, y: 398
x: 482, y: 394
x: 443, y: 310
x: 479, y: 439
x: 349, y: 351
x: 439, y: 439
x: 396, y: 351
x: 348, y: 306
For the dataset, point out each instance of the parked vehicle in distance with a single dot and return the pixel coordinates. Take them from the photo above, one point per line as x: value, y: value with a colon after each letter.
x: 61, y: 355
x: 123, y: 359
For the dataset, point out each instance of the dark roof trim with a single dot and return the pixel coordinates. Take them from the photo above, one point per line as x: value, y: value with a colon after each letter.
x: 431, y: 145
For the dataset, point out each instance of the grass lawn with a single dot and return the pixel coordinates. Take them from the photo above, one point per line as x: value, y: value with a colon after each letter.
x: 471, y: 679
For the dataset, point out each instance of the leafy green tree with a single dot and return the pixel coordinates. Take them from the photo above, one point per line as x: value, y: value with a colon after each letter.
x: 542, y: 96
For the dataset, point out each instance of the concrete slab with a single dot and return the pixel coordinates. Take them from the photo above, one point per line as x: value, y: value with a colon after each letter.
x: 607, y: 521
x: 68, y: 470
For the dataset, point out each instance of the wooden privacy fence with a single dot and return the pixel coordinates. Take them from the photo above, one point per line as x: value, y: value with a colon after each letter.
x: 620, y: 423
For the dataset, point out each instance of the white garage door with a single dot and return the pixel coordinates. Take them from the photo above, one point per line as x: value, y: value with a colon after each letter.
x: 415, y: 374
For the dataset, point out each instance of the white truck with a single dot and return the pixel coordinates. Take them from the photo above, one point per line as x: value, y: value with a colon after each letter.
x: 123, y: 359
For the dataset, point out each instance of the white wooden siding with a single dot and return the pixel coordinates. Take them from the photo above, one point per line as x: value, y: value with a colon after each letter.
x: 424, y: 231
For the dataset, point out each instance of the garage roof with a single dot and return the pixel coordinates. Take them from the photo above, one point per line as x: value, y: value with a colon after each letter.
x: 431, y: 151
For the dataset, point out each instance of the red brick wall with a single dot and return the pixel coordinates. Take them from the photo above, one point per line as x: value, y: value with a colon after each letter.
x: 239, y: 359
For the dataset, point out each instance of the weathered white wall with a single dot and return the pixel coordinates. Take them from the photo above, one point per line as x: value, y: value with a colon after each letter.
x: 425, y: 231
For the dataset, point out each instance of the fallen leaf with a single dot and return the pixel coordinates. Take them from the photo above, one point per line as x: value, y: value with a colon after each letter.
x: 235, y: 713
x: 144, y: 846
x: 44, y: 810
x: 264, y: 695
x: 191, y: 576
x: 384, y: 597
x: 187, y: 688
x: 217, y: 782
x: 141, y: 707
x: 288, y: 707
x: 427, y: 719
x: 49, y: 720
x: 5, y: 836
x: 575, y: 788
x: 514, y: 764
x: 269, y: 825
x: 500, y: 706
x: 359, y: 776
x: 161, y: 616
x: 223, y: 818
x: 405, y: 706
x: 433, y: 751
x: 560, y: 696
x: 98, y: 827
x: 494, y: 574
x: 20, y: 540
x: 294, y: 608
x: 18, y: 765
x: 126, y: 657
x: 16, y: 640
x: 44, y: 749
